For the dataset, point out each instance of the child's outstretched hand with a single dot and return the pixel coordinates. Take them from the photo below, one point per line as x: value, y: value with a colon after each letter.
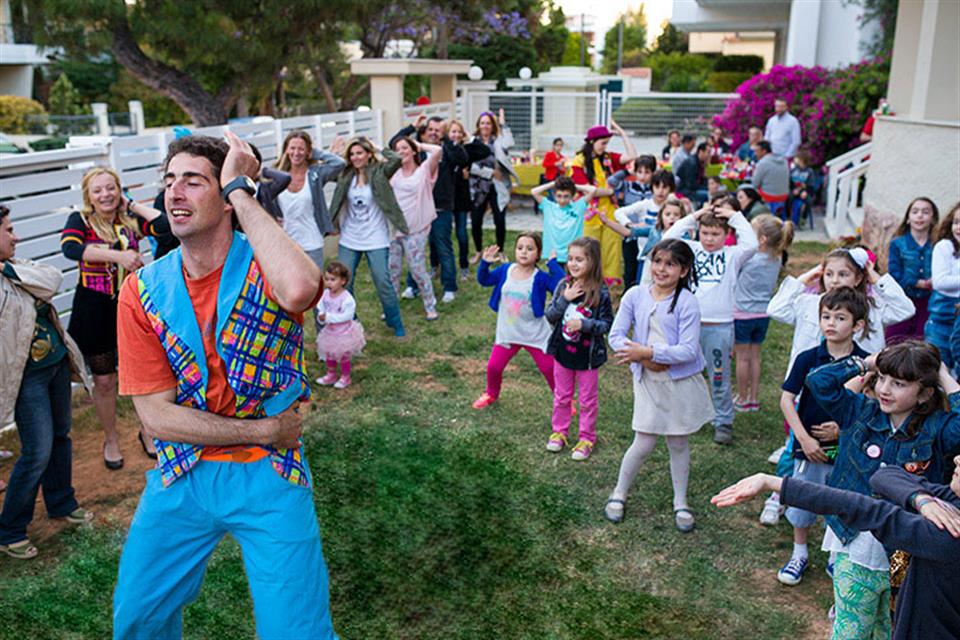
x: 811, y: 276
x: 942, y: 514
x: 747, y: 489
x: 490, y: 253
x: 573, y: 291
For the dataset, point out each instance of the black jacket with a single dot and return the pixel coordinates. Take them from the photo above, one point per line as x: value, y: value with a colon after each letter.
x: 594, y: 328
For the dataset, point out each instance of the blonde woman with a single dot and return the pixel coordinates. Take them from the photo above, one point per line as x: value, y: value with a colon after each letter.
x: 304, y: 210
x: 103, y: 238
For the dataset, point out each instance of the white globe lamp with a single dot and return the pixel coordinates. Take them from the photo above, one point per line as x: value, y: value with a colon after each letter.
x: 525, y: 73
x: 475, y: 73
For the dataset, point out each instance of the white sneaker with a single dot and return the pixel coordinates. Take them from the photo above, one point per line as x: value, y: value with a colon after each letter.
x: 774, y: 458
x: 408, y: 294
x: 448, y: 296
x: 772, y: 509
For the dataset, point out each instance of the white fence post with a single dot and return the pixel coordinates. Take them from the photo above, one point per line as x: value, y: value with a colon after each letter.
x: 137, y: 122
x: 103, y: 121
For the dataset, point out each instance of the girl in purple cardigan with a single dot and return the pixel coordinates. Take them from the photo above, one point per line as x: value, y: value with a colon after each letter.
x: 670, y: 394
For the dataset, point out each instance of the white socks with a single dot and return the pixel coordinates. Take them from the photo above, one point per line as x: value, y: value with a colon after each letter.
x: 633, y: 459
x: 800, y: 551
x: 679, y: 448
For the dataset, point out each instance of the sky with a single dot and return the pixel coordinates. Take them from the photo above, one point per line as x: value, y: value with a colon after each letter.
x: 606, y: 12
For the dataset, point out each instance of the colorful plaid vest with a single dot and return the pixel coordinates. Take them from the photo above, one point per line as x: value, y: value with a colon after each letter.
x: 260, y: 344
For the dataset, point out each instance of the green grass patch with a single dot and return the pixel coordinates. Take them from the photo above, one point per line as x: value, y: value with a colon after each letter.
x: 439, y: 521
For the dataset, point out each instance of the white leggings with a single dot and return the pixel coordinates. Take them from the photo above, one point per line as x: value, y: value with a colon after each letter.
x: 642, y: 447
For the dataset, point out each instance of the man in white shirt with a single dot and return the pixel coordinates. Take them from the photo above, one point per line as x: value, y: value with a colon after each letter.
x: 783, y: 130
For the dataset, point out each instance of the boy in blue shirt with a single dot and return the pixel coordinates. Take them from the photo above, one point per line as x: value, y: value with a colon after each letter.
x: 562, y: 217
x: 843, y: 312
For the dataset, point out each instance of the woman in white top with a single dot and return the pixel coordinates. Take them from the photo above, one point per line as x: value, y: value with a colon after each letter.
x: 302, y: 204
x: 413, y: 188
x: 943, y: 326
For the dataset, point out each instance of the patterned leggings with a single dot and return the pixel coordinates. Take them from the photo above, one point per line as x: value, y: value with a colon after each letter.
x: 415, y: 246
x: 862, y: 599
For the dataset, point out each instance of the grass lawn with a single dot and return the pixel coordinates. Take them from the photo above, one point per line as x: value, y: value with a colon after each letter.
x: 443, y: 522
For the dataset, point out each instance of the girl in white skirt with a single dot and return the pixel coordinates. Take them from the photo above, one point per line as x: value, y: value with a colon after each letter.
x: 670, y: 395
x: 342, y: 336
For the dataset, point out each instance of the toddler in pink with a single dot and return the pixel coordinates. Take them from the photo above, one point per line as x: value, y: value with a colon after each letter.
x: 341, y: 337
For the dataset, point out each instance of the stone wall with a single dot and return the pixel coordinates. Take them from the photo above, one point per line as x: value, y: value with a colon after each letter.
x: 910, y: 158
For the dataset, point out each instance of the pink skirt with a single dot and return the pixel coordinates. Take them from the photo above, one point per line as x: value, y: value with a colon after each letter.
x: 340, y: 340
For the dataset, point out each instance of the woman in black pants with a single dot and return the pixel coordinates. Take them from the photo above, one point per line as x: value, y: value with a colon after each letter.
x: 491, y: 180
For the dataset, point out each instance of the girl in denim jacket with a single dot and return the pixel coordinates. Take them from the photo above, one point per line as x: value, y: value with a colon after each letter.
x: 909, y: 262
x: 905, y: 425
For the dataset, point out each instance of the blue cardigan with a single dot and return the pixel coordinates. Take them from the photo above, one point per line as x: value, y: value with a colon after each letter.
x: 542, y: 282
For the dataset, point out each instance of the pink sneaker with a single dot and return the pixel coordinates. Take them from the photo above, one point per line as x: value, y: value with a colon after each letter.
x: 485, y: 400
x: 582, y: 451
x: 328, y: 379
x: 342, y: 383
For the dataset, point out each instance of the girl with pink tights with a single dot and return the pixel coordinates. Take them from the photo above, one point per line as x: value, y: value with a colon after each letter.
x: 519, y: 297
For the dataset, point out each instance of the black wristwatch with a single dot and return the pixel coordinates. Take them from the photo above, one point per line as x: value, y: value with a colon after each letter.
x: 241, y: 182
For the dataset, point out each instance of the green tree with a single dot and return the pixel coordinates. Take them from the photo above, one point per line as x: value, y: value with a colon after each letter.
x: 634, y: 37
x: 64, y: 100
x: 551, y: 38
x: 884, y: 14
x: 571, y: 52
x: 671, y: 40
x: 204, y: 56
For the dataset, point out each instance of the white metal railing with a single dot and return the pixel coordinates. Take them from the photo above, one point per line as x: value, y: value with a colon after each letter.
x: 653, y: 114
x: 42, y: 188
x: 842, y: 216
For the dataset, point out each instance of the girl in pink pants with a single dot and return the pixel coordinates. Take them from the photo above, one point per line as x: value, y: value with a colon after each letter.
x: 581, y: 314
x: 519, y: 297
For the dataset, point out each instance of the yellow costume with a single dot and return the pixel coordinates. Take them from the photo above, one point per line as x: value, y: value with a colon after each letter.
x: 610, y: 241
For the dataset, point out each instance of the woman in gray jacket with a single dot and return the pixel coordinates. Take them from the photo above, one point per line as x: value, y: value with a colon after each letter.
x: 37, y: 360
x: 304, y: 211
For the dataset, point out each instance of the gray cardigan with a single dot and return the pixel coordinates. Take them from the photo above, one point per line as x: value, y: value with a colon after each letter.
x: 319, y: 174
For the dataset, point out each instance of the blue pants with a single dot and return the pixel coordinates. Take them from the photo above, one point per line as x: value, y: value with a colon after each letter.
x: 378, y: 262
x: 441, y: 252
x: 716, y: 341
x: 174, y: 533
x: 42, y: 413
x: 463, y: 242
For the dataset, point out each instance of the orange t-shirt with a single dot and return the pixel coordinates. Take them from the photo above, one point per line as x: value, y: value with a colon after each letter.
x: 144, y: 367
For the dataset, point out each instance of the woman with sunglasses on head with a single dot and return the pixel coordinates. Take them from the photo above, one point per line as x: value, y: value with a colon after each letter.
x: 491, y: 180
x: 365, y: 211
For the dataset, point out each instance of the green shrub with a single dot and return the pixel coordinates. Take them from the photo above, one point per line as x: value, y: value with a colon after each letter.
x: 685, y: 72
x: 726, y: 81
x: 14, y: 111
x: 749, y: 64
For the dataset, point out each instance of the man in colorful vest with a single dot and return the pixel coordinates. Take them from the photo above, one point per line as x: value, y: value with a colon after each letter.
x: 211, y: 350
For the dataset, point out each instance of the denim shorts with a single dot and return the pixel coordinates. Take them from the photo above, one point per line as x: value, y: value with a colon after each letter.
x: 815, y: 472
x: 752, y: 331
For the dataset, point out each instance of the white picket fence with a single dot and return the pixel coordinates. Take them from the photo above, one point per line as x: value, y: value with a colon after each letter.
x: 42, y: 188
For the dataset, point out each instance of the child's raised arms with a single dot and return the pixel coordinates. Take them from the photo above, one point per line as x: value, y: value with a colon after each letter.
x: 538, y: 192
x: 490, y: 253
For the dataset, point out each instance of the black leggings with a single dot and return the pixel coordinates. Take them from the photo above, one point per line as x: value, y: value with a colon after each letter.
x: 499, y: 220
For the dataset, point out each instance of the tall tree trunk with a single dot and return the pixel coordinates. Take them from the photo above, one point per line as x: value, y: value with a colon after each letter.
x: 203, y: 108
